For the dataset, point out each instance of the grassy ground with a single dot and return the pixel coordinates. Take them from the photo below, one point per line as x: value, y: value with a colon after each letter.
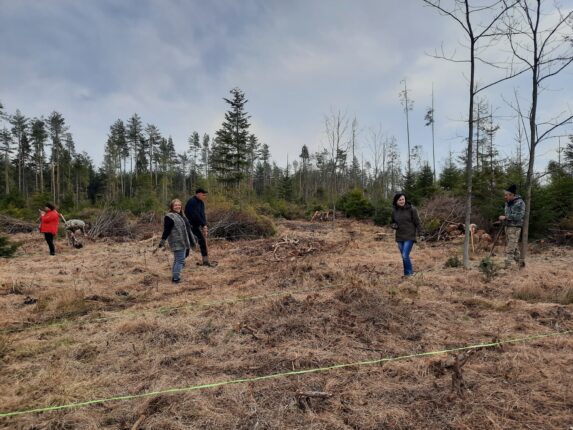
x: 105, y: 321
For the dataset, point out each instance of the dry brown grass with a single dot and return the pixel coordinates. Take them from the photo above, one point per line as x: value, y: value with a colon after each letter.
x: 121, y: 327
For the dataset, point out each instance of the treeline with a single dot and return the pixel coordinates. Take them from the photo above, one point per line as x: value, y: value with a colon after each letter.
x: 142, y: 170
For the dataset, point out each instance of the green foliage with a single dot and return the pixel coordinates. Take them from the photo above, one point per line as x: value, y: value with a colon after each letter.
x: 454, y: 262
x: 7, y: 249
x: 230, y: 156
x: 452, y: 179
x: 488, y: 268
x: 551, y: 203
x: 138, y: 205
x: 12, y: 200
x: 354, y: 205
x: 286, y: 210
x: 431, y: 225
x: 423, y: 186
x: 382, y: 212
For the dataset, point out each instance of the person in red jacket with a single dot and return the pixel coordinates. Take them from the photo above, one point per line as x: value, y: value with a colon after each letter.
x: 49, y: 223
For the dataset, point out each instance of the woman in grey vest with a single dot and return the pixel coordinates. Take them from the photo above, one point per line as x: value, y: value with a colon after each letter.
x: 177, y: 231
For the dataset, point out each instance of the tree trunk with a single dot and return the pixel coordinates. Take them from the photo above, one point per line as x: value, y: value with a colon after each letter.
x: 470, y: 146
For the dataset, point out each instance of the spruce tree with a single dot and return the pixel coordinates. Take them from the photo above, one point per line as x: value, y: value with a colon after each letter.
x: 231, y: 150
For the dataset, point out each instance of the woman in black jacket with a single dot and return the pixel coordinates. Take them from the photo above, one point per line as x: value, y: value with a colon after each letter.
x: 406, y: 222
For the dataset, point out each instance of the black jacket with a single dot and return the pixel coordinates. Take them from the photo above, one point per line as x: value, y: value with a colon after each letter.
x: 408, y: 222
x: 195, y: 212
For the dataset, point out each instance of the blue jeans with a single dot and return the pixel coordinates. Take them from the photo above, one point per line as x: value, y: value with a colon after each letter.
x: 405, y: 247
x: 178, y: 263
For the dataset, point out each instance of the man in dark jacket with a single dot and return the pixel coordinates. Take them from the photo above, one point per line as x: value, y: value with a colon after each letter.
x: 195, y: 213
x: 513, y: 219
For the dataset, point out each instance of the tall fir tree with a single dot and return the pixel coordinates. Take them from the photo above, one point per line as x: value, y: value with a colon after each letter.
x: 230, y: 156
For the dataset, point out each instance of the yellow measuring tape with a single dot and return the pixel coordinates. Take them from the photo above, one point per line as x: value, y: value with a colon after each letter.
x: 279, y: 375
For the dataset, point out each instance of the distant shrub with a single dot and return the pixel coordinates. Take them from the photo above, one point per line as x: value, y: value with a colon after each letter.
x: 354, y: 205
x: 567, y: 223
x: 7, y: 249
x: 453, y: 262
x: 431, y: 226
x: 488, y: 268
x: 383, y: 212
x: 287, y: 210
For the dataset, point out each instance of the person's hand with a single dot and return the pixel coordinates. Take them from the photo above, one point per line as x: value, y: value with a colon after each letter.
x: 394, y: 226
x: 42, y: 213
x: 502, y: 218
x: 206, y: 231
x: 161, y: 243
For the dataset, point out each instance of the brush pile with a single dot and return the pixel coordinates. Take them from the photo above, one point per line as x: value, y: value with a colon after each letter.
x: 236, y: 224
x: 13, y: 225
x: 110, y: 223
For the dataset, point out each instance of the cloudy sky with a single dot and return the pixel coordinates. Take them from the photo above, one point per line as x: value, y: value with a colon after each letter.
x: 173, y: 61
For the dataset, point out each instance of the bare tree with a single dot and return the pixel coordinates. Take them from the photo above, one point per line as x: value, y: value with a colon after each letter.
x: 378, y: 150
x: 542, y: 41
x: 478, y: 22
x: 408, y: 105
x: 336, y: 128
x: 430, y: 120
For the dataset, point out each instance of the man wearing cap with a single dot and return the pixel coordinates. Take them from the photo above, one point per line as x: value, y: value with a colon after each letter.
x: 513, y: 219
x: 195, y: 213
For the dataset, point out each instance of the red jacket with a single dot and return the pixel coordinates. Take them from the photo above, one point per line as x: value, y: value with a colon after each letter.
x: 50, y: 222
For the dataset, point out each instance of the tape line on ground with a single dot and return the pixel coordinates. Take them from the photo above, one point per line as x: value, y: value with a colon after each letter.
x: 280, y: 375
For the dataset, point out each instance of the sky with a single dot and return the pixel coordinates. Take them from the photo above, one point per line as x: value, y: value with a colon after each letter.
x: 173, y: 62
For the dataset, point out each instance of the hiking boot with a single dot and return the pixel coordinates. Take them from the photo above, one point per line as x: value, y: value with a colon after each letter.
x: 521, y: 264
x: 175, y: 281
x: 208, y: 263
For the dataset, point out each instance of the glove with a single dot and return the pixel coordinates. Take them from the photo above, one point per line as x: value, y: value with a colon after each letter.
x: 161, y: 243
x: 394, y: 226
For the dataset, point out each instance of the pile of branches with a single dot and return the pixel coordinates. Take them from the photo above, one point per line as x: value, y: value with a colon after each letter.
x: 442, y: 218
x: 110, y: 223
x: 237, y: 224
x: 290, y: 247
x: 150, y: 217
x: 148, y: 224
x: 12, y: 225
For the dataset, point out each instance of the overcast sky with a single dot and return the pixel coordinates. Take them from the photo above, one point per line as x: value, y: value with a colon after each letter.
x: 173, y: 61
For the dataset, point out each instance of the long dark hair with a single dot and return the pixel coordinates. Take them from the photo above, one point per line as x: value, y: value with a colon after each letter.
x: 396, y: 197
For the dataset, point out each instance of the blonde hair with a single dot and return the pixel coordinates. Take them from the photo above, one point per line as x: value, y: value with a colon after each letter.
x: 173, y: 203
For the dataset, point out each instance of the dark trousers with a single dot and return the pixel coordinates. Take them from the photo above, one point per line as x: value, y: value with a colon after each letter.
x: 50, y: 239
x: 198, y: 233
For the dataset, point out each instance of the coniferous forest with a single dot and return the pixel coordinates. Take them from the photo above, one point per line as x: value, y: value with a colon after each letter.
x: 142, y: 170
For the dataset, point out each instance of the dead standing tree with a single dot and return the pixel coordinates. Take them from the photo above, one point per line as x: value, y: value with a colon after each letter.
x: 545, y: 49
x: 336, y: 129
x: 478, y: 21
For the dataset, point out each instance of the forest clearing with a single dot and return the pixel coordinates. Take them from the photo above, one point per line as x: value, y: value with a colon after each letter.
x: 105, y: 321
